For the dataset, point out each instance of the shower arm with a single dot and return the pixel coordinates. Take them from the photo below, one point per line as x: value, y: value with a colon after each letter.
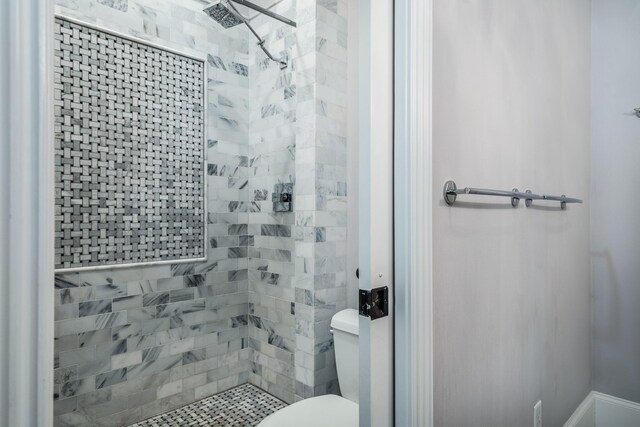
x: 262, y: 10
x: 261, y: 41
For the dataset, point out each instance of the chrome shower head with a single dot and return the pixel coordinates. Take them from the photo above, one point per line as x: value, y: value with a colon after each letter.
x: 223, y: 15
x: 226, y: 14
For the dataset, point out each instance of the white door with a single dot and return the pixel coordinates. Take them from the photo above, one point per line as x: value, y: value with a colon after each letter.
x: 376, y: 206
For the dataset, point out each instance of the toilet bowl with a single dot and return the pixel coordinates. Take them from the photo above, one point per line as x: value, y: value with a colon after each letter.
x: 330, y: 410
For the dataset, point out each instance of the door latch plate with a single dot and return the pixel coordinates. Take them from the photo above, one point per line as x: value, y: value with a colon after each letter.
x: 374, y: 303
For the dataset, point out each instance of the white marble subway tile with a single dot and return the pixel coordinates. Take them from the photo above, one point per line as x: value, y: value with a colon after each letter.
x: 169, y: 389
x: 126, y: 359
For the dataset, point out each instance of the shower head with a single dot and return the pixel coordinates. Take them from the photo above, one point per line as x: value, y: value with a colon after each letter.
x: 223, y: 15
x: 226, y: 14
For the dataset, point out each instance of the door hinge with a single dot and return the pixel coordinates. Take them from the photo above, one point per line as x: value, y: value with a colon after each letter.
x: 374, y: 303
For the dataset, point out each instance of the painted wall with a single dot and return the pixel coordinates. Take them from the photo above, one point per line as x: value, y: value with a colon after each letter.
x: 615, y: 228
x: 511, y: 286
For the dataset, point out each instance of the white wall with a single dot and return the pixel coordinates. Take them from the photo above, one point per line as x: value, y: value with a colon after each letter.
x: 615, y: 226
x: 511, y: 286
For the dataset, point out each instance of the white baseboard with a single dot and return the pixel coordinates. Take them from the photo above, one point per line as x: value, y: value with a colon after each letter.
x: 585, y: 414
x: 602, y: 410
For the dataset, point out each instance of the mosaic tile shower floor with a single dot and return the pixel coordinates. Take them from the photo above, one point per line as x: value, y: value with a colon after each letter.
x: 243, y: 406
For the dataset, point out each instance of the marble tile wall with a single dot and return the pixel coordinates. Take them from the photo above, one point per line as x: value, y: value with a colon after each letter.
x: 321, y: 194
x: 272, y: 137
x: 135, y: 342
x: 130, y: 344
x: 329, y: 266
x: 297, y: 267
x: 272, y: 280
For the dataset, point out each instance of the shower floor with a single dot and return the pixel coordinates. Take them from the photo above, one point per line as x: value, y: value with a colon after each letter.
x: 243, y: 406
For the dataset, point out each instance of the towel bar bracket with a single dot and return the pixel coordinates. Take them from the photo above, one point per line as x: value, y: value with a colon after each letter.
x: 449, y: 192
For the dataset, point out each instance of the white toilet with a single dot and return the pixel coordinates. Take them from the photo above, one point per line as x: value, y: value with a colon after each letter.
x: 330, y: 410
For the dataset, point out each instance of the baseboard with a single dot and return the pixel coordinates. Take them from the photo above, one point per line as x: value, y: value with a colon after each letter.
x: 603, y: 410
x: 585, y: 413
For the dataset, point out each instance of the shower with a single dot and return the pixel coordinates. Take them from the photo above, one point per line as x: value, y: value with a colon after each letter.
x: 227, y: 15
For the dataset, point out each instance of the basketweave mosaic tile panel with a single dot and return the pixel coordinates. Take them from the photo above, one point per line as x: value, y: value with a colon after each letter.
x: 130, y: 151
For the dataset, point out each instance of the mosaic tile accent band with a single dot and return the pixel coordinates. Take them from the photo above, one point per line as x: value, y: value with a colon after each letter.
x: 243, y: 406
x: 130, y: 151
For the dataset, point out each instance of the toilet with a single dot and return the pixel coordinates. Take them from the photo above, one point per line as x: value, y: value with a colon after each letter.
x: 330, y: 410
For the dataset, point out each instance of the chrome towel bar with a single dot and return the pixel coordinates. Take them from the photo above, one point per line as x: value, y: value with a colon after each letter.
x: 451, y: 192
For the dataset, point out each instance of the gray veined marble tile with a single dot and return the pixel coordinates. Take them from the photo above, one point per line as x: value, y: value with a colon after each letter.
x: 260, y: 195
x: 67, y: 281
x: 182, y: 295
x: 320, y: 233
x: 271, y: 110
x: 76, y: 387
x: 194, y: 281
x: 269, y: 278
x: 155, y: 353
x: 154, y: 366
x: 140, y: 287
x: 94, y: 398
x: 121, y: 5
x: 216, y: 62
x: 238, y: 252
x: 239, y: 69
x: 65, y: 375
x: 110, y: 291
x: 157, y: 298
x: 143, y: 314
x: 74, y: 357
x: 92, y: 308
x: 182, y: 269
x: 66, y: 311
x: 126, y: 359
x: 65, y: 343
x: 238, y: 229
x: 128, y: 302
x: 91, y: 338
x: 193, y: 356
x: 96, y: 366
x: 170, y: 284
x: 206, y: 267
x: 64, y: 406
x: 110, y: 378
x: 246, y: 241
x: 76, y: 295
x: 141, y: 342
x: 153, y: 326
x: 193, y: 306
x: 289, y: 92
x: 241, y: 320
x: 275, y: 230
x: 126, y: 331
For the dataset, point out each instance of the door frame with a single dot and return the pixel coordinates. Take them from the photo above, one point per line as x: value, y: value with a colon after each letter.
x: 375, y: 206
x: 26, y: 214
x: 413, y: 196
x: 396, y: 193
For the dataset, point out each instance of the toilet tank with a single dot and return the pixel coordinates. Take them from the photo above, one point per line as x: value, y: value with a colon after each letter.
x: 345, y: 341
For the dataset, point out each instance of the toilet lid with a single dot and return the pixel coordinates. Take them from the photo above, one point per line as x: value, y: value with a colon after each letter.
x: 322, y: 411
